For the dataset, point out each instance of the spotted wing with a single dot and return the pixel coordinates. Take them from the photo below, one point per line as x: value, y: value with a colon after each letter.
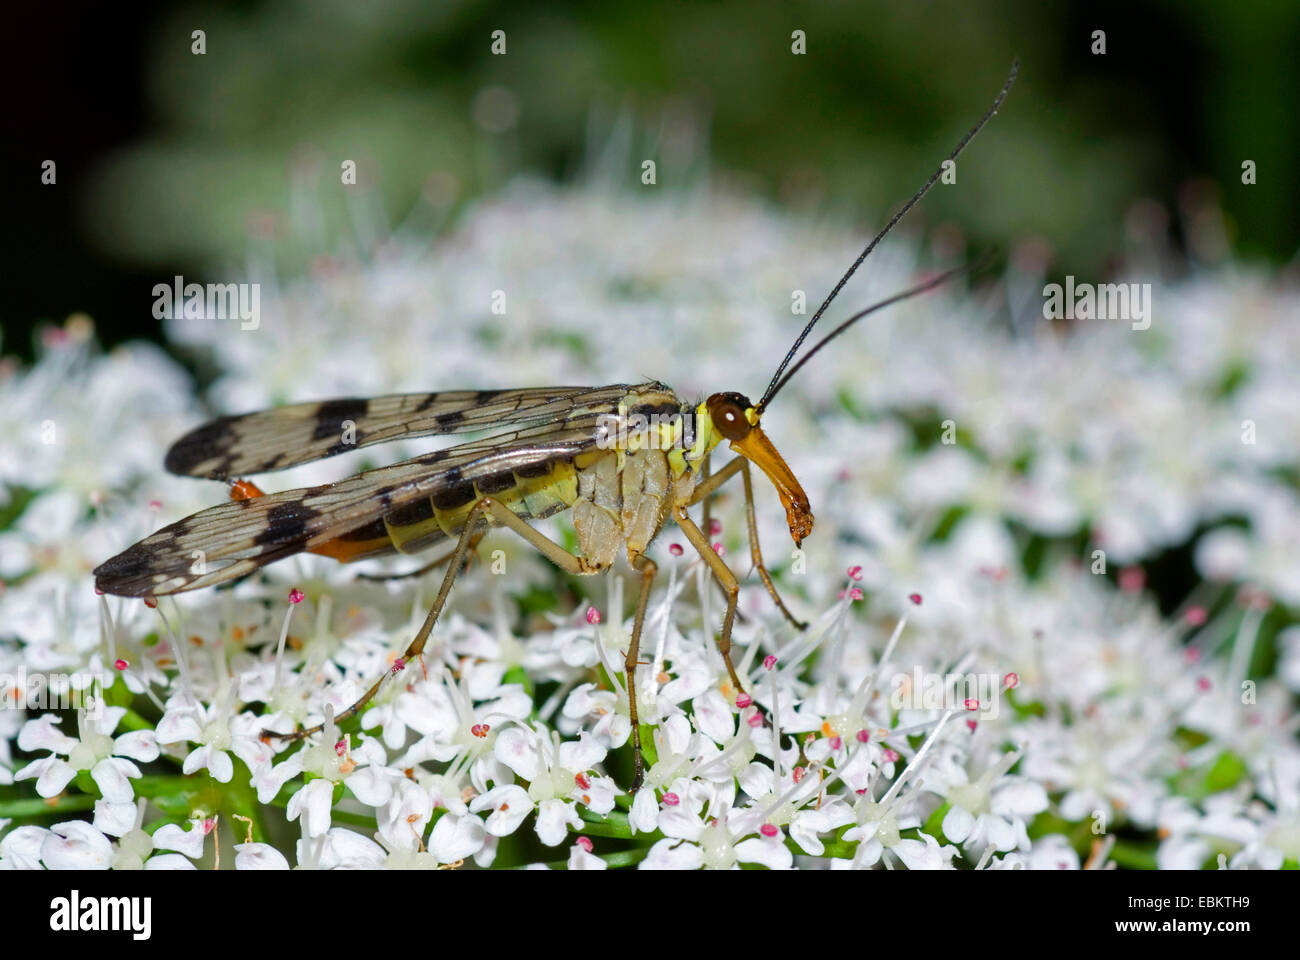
x: 283, y: 437
x: 232, y: 540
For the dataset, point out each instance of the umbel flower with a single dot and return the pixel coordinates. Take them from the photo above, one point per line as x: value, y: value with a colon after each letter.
x: 947, y: 458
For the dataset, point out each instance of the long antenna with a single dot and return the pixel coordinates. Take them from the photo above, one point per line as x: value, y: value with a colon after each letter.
x: 988, y: 115
x: 889, y: 301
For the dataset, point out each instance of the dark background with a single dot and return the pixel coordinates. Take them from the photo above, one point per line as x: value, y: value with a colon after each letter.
x: 165, y: 158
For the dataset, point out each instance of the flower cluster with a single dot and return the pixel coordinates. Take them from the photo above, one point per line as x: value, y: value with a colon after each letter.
x: 986, y: 681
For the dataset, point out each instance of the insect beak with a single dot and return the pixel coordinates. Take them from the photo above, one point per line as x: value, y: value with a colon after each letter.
x: 755, y: 447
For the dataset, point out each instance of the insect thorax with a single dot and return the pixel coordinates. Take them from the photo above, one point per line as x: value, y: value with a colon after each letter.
x: 627, y: 488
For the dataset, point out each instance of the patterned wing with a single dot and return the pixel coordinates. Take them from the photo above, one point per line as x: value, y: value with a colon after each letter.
x: 229, y: 541
x: 286, y: 436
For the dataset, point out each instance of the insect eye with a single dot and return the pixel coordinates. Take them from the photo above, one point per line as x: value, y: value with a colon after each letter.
x: 729, y: 417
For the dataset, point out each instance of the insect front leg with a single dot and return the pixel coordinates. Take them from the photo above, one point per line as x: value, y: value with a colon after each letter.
x: 756, y: 554
x: 707, y: 488
x: 727, y: 579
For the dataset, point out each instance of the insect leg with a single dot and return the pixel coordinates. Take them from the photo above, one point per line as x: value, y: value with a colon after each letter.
x: 647, y: 568
x: 708, y: 487
x: 499, y: 512
x: 707, y: 524
x: 725, y: 577
x: 757, y: 554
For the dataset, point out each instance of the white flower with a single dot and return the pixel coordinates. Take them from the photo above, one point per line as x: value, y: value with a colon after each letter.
x: 94, y: 750
x: 612, y: 724
x: 76, y: 845
x: 331, y: 761
x: 218, y: 730
x: 560, y: 776
x: 993, y: 809
x: 20, y: 848
x: 695, y: 838
x: 259, y: 856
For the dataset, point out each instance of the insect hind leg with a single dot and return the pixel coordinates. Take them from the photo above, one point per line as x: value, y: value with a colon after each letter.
x: 469, y: 535
x: 647, y: 568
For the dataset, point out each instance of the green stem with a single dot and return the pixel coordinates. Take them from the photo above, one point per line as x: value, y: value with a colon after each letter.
x: 1133, y: 857
x: 37, y: 807
x: 164, y: 784
x: 613, y: 824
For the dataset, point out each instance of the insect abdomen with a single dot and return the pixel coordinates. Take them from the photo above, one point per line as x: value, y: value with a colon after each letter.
x: 531, y: 493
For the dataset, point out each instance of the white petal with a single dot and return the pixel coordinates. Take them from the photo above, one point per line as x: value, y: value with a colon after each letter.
x: 957, y: 824
x: 456, y: 838
x: 580, y: 859
x: 1001, y: 832
x: 21, y: 848
x: 114, y: 819
x: 168, y: 861
x: 757, y: 780
x: 1022, y: 798
x: 677, y: 732
x: 487, y: 853
x: 1078, y: 804
x: 713, y: 715
x: 679, y: 823
x: 139, y: 745
x: 178, y: 728
x: 105, y: 721
x: 269, y: 780
x: 553, y: 819
x: 404, y: 817
x: 255, y: 754
x: 668, y: 854
x: 111, y: 774
x: 600, y: 795
x: 644, y: 817
x: 313, y: 803
x: 869, y: 854
x: 804, y: 828
x: 220, y: 766
x: 347, y: 850
x: 42, y: 734
x: 370, y: 751
x: 516, y: 747
x: 582, y: 754
x: 771, y: 852
x: 503, y: 822
x: 76, y: 845
x: 259, y: 856
x: 52, y: 773
x: 373, y: 786
x: 584, y: 699
x: 612, y: 730
x: 924, y: 854
x: 172, y: 836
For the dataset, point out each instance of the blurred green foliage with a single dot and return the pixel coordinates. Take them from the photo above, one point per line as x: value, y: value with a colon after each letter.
x: 411, y: 90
